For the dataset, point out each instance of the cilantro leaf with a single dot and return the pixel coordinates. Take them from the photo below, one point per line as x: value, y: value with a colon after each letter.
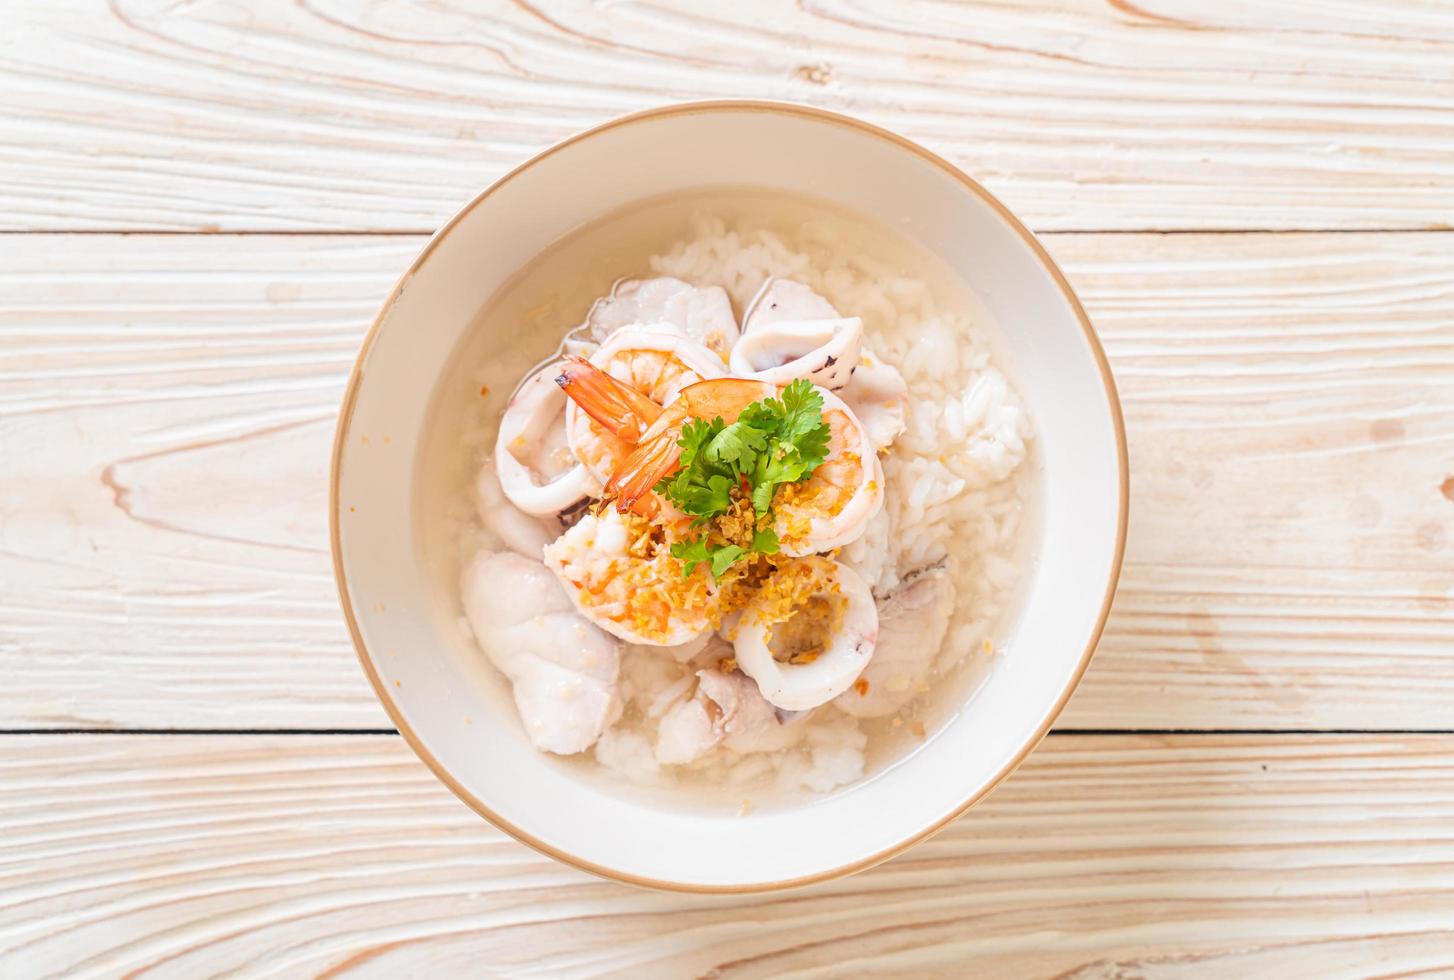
x: 719, y: 558
x: 799, y: 445
x: 698, y: 495
x: 697, y: 551
x: 804, y: 426
x: 691, y: 553
x: 695, y: 437
x: 708, y: 498
x: 765, y: 413
x: 802, y: 411
x: 739, y: 444
x: 774, y: 441
x: 762, y: 494
x: 723, y: 557
x: 812, y: 447
x: 700, y: 487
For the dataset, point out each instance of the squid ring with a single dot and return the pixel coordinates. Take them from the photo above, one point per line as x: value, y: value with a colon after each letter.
x: 846, y: 651
x: 826, y: 352
x: 534, y: 408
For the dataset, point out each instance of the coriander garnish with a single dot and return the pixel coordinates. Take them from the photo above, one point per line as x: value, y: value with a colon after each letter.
x: 774, y: 441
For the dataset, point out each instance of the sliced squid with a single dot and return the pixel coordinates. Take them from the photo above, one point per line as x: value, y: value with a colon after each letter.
x: 562, y: 670
x: 785, y: 299
x: 536, y: 469
x: 700, y: 313
x: 911, y: 627
x: 875, y: 390
x: 817, y: 651
x: 879, y: 397
x: 823, y: 351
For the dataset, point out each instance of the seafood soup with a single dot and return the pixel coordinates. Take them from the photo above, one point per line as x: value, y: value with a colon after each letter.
x: 735, y: 492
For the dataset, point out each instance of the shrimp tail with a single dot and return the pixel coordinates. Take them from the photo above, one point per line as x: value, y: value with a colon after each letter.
x: 651, y: 460
x: 621, y: 409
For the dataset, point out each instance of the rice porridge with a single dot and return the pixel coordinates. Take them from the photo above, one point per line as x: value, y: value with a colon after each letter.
x: 756, y: 529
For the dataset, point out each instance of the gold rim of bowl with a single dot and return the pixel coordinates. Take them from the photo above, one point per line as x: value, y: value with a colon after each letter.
x: 686, y: 108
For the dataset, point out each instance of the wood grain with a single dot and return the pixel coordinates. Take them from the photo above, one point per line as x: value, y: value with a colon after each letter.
x: 166, y: 407
x: 166, y: 411
x: 1118, y: 856
x: 329, y: 115
x: 1289, y: 402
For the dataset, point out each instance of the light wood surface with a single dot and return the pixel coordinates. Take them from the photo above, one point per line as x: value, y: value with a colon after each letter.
x: 339, y: 115
x: 1103, y: 857
x: 168, y: 404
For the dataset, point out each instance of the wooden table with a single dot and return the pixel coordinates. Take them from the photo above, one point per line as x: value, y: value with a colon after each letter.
x: 203, y: 204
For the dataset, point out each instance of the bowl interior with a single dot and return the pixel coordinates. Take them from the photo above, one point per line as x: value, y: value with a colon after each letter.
x: 446, y: 699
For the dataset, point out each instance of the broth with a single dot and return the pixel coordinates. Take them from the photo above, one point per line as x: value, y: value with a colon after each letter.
x: 523, y: 323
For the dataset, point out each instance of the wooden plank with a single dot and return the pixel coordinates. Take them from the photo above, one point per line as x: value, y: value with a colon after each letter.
x: 1112, y: 856
x: 144, y: 114
x: 1289, y: 402
x: 166, y: 408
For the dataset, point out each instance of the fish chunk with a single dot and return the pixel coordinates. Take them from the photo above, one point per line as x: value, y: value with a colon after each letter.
x: 911, y: 627
x: 563, y: 671
x: 725, y: 708
x: 703, y: 314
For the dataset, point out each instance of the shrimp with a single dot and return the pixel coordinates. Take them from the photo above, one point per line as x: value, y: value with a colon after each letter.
x: 829, y: 509
x: 652, y: 450
x: 535, y: 467
x: 774, y: 330
x: 807, y: 634
x: 619, y: 572
x: 703, y: 314
x: 833, y: 506
x: 911, y: 626
x: 562, y: 670
x: 652, y: 365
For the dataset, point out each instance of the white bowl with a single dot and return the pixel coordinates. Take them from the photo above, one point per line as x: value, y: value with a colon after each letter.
x: 447, y: 704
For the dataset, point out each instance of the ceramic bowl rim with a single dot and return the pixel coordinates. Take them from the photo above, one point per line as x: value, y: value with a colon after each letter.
x: 345, y: 418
